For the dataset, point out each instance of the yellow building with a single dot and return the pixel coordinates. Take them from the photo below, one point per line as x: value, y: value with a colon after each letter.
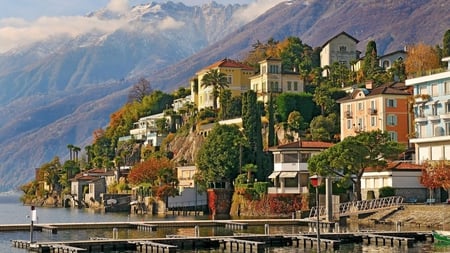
x: 238, y: 75
x: 271, y: 79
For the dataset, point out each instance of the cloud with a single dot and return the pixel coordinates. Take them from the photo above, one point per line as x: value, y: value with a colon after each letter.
x: 118, y: 6
x: 19, y: 32
x: 255, y: 9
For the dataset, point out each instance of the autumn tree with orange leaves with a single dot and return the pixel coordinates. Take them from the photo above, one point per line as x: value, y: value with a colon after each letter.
x: 421, y: 57
x: 159, y: 173
x: 436, y: 175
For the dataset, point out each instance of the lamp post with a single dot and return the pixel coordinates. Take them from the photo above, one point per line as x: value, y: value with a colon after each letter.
x: 315, y: 182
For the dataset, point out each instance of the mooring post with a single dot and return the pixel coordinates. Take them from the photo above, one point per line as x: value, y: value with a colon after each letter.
x: 33, y: 219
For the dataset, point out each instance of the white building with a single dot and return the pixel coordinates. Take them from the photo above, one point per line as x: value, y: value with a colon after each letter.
x: 432, y: 115
x: 291, y: 175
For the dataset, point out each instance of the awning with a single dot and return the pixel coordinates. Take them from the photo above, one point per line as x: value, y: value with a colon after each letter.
x: 274, y: 174
x: 288, y: 174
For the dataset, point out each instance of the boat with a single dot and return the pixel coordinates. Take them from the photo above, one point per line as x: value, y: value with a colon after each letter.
x: 441, y: 236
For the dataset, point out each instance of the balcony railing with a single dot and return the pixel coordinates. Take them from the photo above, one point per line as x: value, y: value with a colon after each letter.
x: 372, y: 111
x: 427, y: 72
x: 348, y: 114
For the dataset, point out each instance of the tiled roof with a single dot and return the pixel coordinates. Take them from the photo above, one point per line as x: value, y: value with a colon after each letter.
x: 228, y: 63
x: 305, y: 144
x: 392, y: 88
x: 399, y: 166
x: 342, y: 33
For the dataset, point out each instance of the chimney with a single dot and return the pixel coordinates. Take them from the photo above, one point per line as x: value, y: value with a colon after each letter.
x: 369, y: 84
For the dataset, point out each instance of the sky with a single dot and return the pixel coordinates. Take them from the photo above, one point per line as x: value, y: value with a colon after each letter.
x: 31, y: 9
x: 26, y: 21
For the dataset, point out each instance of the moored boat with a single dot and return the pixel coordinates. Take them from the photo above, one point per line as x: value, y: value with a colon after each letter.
x: 441, y: 236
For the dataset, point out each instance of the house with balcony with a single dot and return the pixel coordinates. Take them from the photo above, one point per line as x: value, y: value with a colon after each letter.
x: 273, y: 79
x: 432, y: 115
x: 340, y: 48
x: 237, y: 73
x: 290, y: 174
x: 384, y: 108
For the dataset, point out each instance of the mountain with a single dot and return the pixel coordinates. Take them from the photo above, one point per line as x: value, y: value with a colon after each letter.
x: 58, y: 90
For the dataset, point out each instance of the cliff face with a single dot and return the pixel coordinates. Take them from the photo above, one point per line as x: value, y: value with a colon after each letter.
x: 185, y: 148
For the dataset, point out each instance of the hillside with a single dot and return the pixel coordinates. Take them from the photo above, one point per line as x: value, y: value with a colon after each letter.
x: 58, y: 91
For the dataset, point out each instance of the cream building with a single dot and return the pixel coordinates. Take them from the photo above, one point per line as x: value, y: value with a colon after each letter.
x: 271, y: 79
x: 341, y: 48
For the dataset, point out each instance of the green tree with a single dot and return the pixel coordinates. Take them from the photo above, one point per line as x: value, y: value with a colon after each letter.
x: 370, y: 62
x: 352, y: 156
x: 225, y: 104
x: 272, y: 138
x: 251, y: 122
x: 218, y: 81
x: 218, y: 158
x: 446, y: 44
x: 296, y: 122
x: 301, y: 102
x: 324, y: 128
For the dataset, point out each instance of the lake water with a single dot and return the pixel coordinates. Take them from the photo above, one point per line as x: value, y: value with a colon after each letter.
x: 13, y: 212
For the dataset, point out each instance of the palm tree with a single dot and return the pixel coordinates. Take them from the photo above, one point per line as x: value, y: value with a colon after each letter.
x: 70, y: 147
x: 75, y: 151
x: 218, y: 81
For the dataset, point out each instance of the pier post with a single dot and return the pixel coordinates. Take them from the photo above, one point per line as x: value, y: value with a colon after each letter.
x: 115, y: 233
x: 33, y: 219
x: 197, y: 231
x: 266, y: 229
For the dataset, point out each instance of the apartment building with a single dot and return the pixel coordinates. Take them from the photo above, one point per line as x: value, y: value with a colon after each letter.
x: 382, y: 108
x: 431, y: 108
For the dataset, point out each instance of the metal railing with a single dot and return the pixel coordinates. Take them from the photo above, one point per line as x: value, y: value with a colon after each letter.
x: 361, y: 206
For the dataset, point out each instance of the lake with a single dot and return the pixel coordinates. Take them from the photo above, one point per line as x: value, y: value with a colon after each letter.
x: 13, y: 212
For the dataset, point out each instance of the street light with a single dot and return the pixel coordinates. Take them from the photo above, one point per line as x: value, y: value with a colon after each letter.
x: 315, y: 182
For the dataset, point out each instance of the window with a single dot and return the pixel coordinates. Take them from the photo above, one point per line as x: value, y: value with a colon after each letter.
x: 277, y: 158
x: 434, y: 90
x: 289, y: 85
x: 290, y: 158
x: 295, y: 86
x: 273, y: 69
x: 447, y: 128
x: 304, y: 157
x: 423, y: 89
x: 447, y: 107
x: 373, y: 121
x: 360, y: 106
x: 447, y: 88
x: 229, y: 79
x: 434, y: 109
x: 391, y: 120
x: 393, y: 135
x: 420, y: 112
x: 391, y: 103
x: 349, y: 123
x: 386, y: 64
x: 263, y: 69
x: 423, y: 131
x: 373, y: 105
x: 342, y: 49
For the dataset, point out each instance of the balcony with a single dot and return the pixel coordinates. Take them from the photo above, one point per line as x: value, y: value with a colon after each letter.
x: 433, y: 117
x: 445, y: 116
x: 348, y: 114
x: 421, y: 98
x: 372, y: 111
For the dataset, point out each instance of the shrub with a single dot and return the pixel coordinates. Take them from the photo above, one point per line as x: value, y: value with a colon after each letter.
x: 386, y: 191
